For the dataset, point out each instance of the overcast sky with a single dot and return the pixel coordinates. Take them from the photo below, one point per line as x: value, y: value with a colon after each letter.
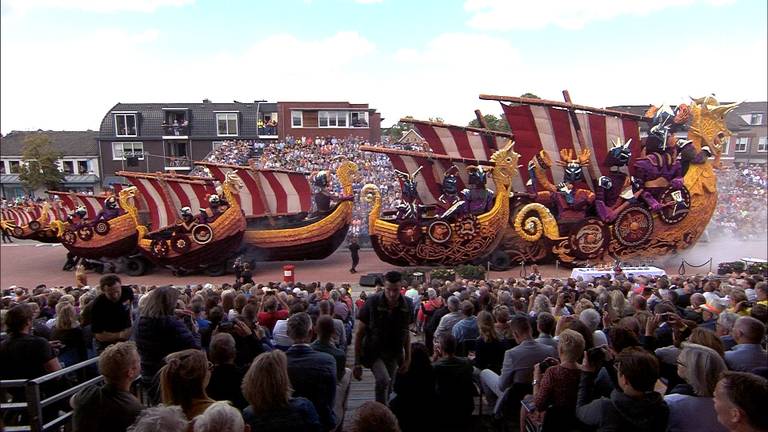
x: 65, y: 63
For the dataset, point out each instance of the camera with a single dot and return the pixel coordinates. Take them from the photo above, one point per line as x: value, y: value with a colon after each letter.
x: 596, y: 355
x: 226, y: 326
x: 544, y: 365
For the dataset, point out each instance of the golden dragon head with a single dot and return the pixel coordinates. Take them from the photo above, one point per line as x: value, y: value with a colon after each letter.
x: 505, y: 163
x: 347, y: 174
x: 708, y: 126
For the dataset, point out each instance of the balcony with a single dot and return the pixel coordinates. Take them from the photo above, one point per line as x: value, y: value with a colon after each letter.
x: 268, y: 131
x: 176, y: 131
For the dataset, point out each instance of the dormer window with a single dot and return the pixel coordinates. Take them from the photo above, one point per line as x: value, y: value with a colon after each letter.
x: 125, y: 124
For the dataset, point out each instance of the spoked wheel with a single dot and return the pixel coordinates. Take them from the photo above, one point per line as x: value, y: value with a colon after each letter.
x: 135, y: 267
x: 219, y: 269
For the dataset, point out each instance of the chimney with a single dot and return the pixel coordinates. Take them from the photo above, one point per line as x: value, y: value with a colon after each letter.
x: 206, y: 100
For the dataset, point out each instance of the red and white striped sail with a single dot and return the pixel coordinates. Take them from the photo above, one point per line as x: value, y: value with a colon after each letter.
x: 267, y: 192
x: 66, y: 200
x: 162, y: 211
x: 551, y: 128
x: 93, y: 204
x: 458, y: 141
x: 18, y: 215
x: 190, y: 193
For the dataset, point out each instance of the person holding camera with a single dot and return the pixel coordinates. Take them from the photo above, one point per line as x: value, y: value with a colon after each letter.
x: 110, y: 316
x: 556, y: 385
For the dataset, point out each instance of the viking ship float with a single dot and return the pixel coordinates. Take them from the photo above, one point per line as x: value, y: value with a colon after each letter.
x: 94, y: 237
x: 589, y: 189
x: 33, y: 222
x: 189, y: 241
x: 278, y: 207
x: 430, y: 239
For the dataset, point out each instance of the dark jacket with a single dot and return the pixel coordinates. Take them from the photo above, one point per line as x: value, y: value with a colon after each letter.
x: 158, y: 337
x: 620, y: 412
x: 225, y: 385
x: 313, y: 376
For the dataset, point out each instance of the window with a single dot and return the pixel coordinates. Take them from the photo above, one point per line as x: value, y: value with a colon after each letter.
x: 125, y: 124
x: 14, y: 167
x: 358, y: 119
x: 762, y: 145
x: 122, y: 150
x: 68, y: 167
x: 227, y: 124
x: 757, y: 119
x: 82, y: 167
x: 742, y: 144
x: 297, y: 119
x: 332, y: 119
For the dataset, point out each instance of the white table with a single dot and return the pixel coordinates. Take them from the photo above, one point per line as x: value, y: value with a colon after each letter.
x: 589, y: 274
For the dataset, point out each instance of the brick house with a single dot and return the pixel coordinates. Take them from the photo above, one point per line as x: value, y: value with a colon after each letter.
x: 339, y: 119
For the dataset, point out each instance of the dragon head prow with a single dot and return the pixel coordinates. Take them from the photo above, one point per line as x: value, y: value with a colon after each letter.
x: 505, y: 159
x: 708, y: 123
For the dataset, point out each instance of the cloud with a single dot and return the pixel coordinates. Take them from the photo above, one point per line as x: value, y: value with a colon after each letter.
x: 98, y: 6
x: 568, y: 14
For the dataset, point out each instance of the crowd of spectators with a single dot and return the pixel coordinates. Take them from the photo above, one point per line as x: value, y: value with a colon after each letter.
x: 741, y: 204
x: 673, y: 353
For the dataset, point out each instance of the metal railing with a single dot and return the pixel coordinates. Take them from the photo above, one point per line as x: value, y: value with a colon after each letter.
x: 34, y: 405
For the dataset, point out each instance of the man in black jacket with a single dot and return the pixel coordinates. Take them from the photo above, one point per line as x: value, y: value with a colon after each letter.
x: 354, y: 249
x: 634, y: 408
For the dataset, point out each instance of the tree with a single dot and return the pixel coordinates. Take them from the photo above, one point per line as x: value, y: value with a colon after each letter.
x: 529, y: 96
x: 397, y: 130
x: 494, y: 123
x: 38, y: 168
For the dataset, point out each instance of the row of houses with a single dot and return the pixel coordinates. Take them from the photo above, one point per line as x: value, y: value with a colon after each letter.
x: 151, y: 137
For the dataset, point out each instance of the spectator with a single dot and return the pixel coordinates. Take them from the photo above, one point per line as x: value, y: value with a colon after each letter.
x: 271, y: 408
x: 269, y: 314
x: 466, y: 329
x: 67, y: 331
x: 111, y: 407
x: 160, y: 332
x: 312, y: 373
x: 415, y: 392
x: 226, y: 378
x: 490, y: 347
x: 448, y: 321
x: 22, y: 355
x: 324, y: 332
x: 453, y: 385
x: 383, y: 341
x: 636, y: 407
x: 591, y: 318
x: 747, y: 354
x: 374, y: 417
x: 110, y: 317
x: 740, y: 402
x: 700, y: 367
x: 219, y: 417
x: 555, y: 390
x: 161, y: 419
x: 518, y: 361
x: 546, y: 324
x: 724, y: 328
x: 183, y: 380
x: 339, y: 334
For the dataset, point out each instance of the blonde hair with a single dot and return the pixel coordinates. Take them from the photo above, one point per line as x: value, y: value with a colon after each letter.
x: 116, y: 359
x: 571, y: 345
x: 266, y: 385
x: 184, y: 378
x: 703, y: 367
x: 160, y: 303
x: 485, y: 323
x: 542, y: 304
x: 66, y: 316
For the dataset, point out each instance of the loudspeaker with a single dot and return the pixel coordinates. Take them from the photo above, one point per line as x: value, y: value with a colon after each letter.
x: 370, y: 279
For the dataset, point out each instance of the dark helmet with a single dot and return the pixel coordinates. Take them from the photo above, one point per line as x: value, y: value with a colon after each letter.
x: 111, y: 203
x: 214, y: 199
x: 81, y: 211
x: 450, y: 183
x: 477, y: 176
x: 409, y: 189
x: 321, y: 179
x: 619, y: 154
x: 186, y: 212
x: 573, y: 172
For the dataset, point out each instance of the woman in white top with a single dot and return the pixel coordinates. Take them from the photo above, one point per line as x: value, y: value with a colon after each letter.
x: 700, y: 367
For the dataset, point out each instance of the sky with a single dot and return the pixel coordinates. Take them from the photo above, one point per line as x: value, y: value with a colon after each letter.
x: 65, y: 63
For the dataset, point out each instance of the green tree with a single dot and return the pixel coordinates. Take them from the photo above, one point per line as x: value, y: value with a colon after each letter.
x: 529, y: 96
x: 397, y: 130
x: 494, y: 123
x: 38, y: 168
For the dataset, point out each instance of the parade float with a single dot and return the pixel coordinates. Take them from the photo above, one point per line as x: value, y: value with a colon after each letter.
x: 590, y: 188
x: 180, y: 238
x: 282, y: 223
x: 33, y: 221
x: 99, y: 228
